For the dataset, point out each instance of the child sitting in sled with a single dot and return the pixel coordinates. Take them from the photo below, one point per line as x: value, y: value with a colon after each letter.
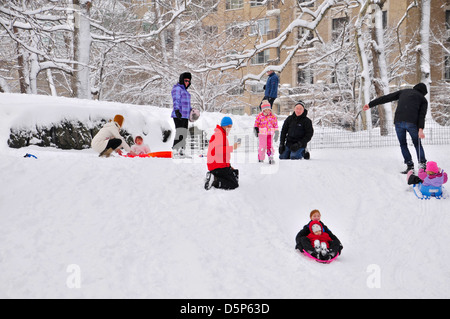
x: 139, y: 148
x: 303, y: 243
x: 266, y: 129
x: 429, y: 179
x: 319, y: 240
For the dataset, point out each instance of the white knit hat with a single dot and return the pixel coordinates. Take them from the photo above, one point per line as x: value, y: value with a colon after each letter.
x: 316, y: 227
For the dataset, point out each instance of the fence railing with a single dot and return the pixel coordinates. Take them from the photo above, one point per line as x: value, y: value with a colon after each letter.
x: 325, y: 137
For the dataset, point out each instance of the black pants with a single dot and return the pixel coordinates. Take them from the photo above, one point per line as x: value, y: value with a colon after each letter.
x: 181, y: 131
x: 113, y: 143
x: 269, y: 99
x: 226, y: 178
x: 303, y: 243
x: 414, y: 179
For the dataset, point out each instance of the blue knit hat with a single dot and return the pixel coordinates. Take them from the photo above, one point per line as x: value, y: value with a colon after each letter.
x: 226, y: 121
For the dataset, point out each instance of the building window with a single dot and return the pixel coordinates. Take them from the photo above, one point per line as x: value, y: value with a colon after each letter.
x: 257, y: 88
x: 300, y: 34
x: 306, y: 3
x: 256, y: 3
x: 447, y: 68
x: 260, y: 27
x: 234, y: 4
x: 337, y: 26
x: 235, y: 30
x: 261, y: 57
x: 340, y: 73
x: 385, y: 19
x: 304, y: 74
x: 211, y: 29
x: 447, y: 19
x: 447, y: 25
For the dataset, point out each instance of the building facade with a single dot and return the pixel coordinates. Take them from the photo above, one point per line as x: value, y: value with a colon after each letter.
x: 257, y: 21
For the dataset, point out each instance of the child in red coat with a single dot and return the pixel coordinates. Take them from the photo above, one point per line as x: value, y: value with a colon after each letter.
x: 319, y: 239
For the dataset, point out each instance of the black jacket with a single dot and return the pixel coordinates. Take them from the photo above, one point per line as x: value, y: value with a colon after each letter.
x: 296, y: 129
x: 412, y: 104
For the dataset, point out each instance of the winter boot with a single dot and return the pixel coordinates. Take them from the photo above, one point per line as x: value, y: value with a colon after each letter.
x: 412, y: 179
x: 313, y: 253
x: 331, y: 253
x: 423, y: 165
x: 178, y: 153
x: 317, y: 246
x: 208, y: 181
x: 408, y: 168
x: 106, y: 152
x: 323, y: 250
x: 271, y: 160
x: 306, y: 154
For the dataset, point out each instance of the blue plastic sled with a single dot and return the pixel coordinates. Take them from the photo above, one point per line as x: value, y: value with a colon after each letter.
x: 426, y: 192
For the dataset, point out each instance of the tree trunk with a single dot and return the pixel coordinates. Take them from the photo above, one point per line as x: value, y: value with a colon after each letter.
x: 424, y: 49
x: 81, y: 49
x: 22, y: 67
x: 381, y: 81
x: 364, y: 62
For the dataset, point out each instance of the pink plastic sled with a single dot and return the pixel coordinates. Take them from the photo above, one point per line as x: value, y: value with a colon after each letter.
x: 319, y: 260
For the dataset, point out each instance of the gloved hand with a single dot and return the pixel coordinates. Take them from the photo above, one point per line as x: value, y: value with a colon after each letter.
x: 178, y: 114
x: 256, y: 130
x: 275, y: 137
x: 281, y: 149
x: 296, y: 146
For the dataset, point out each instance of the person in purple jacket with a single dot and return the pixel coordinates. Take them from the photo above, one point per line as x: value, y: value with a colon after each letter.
x: 432, y: 175
x: 181, y: 112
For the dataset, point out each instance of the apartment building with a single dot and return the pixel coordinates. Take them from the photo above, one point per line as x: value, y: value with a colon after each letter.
x: 252, y: 19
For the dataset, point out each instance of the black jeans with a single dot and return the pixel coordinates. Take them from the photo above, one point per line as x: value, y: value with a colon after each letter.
x: 401, y: 129
x: 113, y: 143
x: 226, y: 178
x: 181, y: 126
x: 304, y: 243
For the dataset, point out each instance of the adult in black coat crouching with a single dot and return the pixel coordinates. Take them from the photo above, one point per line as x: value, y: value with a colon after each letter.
x: 296, y: 132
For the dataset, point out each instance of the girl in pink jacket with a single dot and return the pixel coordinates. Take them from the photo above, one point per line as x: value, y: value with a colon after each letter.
x: 431, y: 176
x: 266, y: 127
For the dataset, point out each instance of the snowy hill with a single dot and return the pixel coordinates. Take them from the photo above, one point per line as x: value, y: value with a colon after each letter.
x: 73, y: 225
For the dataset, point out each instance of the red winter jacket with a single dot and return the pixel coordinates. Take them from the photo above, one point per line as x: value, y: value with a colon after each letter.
x: 219, y: 151
x: 324, y: 237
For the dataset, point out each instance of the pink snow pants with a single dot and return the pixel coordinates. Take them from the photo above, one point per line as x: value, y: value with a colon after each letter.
x: 265, y: 143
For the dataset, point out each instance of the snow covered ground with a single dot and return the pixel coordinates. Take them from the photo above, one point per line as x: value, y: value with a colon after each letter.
x: 73, y: 225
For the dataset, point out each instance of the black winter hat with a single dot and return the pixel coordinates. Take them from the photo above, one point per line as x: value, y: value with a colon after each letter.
x: 185, y: 75
x: 422, y: 88
x: 301, y: 103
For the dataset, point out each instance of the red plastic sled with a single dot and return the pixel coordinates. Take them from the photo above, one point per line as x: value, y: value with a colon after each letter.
x: 163, y: 154
x: 319, y: 260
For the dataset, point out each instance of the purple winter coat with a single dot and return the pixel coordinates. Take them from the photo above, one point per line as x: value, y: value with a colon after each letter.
x: 435, y: 180
x: 181, y: 101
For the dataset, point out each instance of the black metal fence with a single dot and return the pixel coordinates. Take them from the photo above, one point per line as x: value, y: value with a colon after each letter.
x: 325, y: 137
x: 435, y: 134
